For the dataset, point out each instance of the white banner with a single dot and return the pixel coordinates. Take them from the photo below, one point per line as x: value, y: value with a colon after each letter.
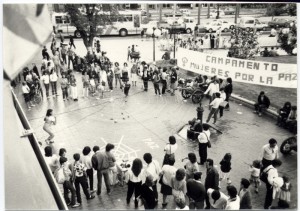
x: 240, y: 70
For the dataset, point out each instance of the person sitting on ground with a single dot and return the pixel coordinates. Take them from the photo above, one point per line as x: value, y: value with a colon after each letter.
x: 266, y: 52
x: 263, y: 102
x: 166, y: 56
x: 283, y: 114
x: 273, y: 52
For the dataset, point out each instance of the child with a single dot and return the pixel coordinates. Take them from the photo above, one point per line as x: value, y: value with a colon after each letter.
x: 101, y: 91
x: 191, y: 166
x: 285, y: 194
x: 255, y: 172
x: 126, y: 89
x: 85, y: 81
x: 93, y: 85
x: 225, y: 167
x: 26, y: 93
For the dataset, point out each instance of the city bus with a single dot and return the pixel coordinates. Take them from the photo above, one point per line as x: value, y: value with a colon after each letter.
x: 126, y: 23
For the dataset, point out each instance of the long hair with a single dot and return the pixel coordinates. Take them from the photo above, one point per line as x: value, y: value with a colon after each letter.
x: 137, y: 166
x: 49, y: 111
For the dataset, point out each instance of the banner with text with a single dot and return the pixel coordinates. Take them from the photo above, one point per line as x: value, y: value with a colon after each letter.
x: 240, y: 70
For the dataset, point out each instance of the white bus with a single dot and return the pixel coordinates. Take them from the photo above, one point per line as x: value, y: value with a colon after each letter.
x: 126, y: 23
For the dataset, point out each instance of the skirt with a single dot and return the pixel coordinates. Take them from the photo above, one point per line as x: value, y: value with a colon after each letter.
x: 224, y: 175
x: 134, y: 77
x: 166, y: 189
x: 285, y: 195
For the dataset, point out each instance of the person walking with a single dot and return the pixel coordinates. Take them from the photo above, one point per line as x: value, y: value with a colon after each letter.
x: 224, y: 103
x: 245, y: 195
x: 225, y: 167
x: 26, y: 94
x: 196, y: 192
x: 212, y: 89
x: 71, y: 43
x: 211, y: 180
x: 49, y: 121
x: 148, y: 195
x: 153, y: 169
x: 215, y: 107
x: 204, y: 143
x: 156, y: 80
x: 168, y: 171
x: 134, y: 178
x: 100, y: 164
x: 80, y: 179
x: 255, y: 172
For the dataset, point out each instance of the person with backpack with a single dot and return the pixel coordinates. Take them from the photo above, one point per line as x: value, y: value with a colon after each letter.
x: 156, y: 80
x: 80, y: 178
x: 63, y: 175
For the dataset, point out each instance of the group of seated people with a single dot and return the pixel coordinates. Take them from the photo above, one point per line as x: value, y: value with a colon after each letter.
x: 287, y: 115
x: 271, y: 53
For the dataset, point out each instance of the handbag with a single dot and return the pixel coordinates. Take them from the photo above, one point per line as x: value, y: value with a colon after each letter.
x: 208, y: 141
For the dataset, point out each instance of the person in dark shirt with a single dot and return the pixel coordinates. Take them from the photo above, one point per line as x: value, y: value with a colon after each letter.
x: 283, y: 113
x: 147, y: 193
x: 263, y: 102
x: 196, y: 191
x: 211, y: 180
x: 225, y: 167
x: 45, y: 53
x: 71, y: 43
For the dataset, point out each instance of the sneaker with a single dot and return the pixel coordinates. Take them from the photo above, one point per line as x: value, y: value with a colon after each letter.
x: 92, y: 191
x: 32, y: 105
x: 259, y: 114
x: 91, y: 197
x: 160, y: 95
x: 76, y: 205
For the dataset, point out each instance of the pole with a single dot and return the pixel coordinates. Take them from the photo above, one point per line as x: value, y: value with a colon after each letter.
x: 147, y: 10
x: 174, y: 45
x: 160, y: 12
x: 208, y: 11
x: 174, y: 11
x: 199, y: 11
x: 153, y: 35
x: 236, y: 14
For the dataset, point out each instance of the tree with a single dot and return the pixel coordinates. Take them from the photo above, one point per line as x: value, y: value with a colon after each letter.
x: 288, y: 39
x: 276, y: 9
x: 89, y: 18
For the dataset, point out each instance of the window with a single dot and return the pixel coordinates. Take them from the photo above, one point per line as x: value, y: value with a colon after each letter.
x: 58, y: 20
x: 249, y: 22
x: 225, y: 22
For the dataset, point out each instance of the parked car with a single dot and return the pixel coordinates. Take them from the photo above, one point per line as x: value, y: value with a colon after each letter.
x: 144, y: 13
x: 223, y: 24
x: 185, y: 12
x: 170, y: 15
x: 280, y: 22
x: 249, y: 23
x: 229, y: 11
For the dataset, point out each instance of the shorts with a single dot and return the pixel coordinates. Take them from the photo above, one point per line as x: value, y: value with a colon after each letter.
x: 173, y: 86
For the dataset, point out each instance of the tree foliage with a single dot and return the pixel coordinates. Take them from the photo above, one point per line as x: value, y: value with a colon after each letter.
x: 279, y: 9
x: 88, y: 19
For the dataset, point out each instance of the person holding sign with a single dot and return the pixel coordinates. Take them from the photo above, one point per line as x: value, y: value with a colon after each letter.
x: 263, y: 102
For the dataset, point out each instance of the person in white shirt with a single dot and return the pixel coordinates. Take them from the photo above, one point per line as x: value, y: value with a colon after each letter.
x: 217, y: 199
x: 181, y: 204
x: 233, y: 203
x: 212, y: 89
x: 273, y: 33
x: 170, y: 149
x: 272, y: 175
x: 53, y: 80
x: 46, y: 79
x: 223, y: 97
x: 26, y: 94
x: 153, y: 169
x: 215, y: 108
x: 134, y: 178
x: 87, y: 161
x: 203, y: 139
x: 269, y: 153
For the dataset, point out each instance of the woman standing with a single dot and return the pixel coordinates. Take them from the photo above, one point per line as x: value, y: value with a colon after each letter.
x: 125, y: 74
x: 134, y: 178
x: 134, y: 74
x: 228, y: 90
x: 117, y: 72
x: 173, y: 77
x: 110, y: 78
x: 73, y: 88
x: 53, y: 80
x: 51, y: 159
x: 167, y: 173
x: 86, y: 84
x: 156, y: 81
x: 49, y: 121
x: 64, y: 86
x: 145, y: 78
x: 170, y: 149
x: 103, y: 79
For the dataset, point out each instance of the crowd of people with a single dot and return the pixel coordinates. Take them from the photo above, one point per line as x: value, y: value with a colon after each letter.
x: 99, y: 75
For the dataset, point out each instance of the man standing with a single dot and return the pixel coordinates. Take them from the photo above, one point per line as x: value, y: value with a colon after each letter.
x: 269, y: 153
x: 203, y: 139
x: 63, y: 53
x: 70, y: 57
x: 100, y: 164
x: 71, y: 43
x: 233, y: 203
x: 263, y: 102
x: 245, y: 195
x: 196, y: 192
x: 153, y: 169
x: 212, y: 179
x: 173, y: 80
x: 272, y: 173
x: 164, y: 76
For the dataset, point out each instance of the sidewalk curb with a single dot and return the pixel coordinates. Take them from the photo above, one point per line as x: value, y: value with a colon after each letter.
x: 250, y: 104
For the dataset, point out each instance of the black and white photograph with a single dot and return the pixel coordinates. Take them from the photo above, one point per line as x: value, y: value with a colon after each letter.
x: 133, y: 105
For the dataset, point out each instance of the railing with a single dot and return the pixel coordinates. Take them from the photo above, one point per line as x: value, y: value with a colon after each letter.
x: 39, y: 154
